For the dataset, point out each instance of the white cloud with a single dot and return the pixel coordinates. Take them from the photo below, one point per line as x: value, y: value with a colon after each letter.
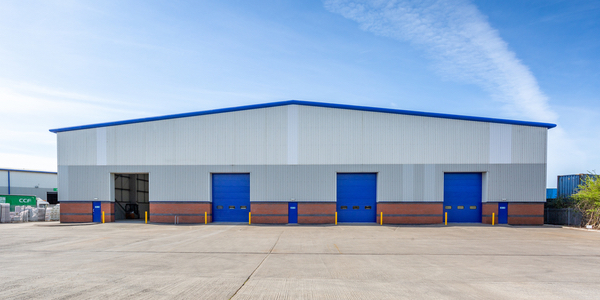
x: 461, y: 42
x: 464, y: 47
x: 29, y: 111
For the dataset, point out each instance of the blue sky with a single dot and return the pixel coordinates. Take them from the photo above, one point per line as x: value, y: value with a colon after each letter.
x: 67, y: 63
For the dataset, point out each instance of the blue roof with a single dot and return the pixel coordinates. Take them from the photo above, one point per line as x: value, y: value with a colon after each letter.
x: 30, y: 171
x: 308, y: 103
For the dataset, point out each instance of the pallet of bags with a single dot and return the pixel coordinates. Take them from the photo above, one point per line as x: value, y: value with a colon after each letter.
x: 17, y: 216
x: 41, y: 214
x: 32, y: 214
x: 5, y: 213
x: 55, y: 214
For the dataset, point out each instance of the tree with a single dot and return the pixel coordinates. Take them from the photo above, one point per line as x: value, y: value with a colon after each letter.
x: 588, y: 200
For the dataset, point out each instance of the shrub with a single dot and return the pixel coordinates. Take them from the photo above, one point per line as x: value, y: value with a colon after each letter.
x: 588, y: 200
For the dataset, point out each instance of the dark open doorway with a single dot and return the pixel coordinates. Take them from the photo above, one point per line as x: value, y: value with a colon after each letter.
x: 131, y: 196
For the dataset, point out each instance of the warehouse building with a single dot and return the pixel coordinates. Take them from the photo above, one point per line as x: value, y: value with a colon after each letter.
x: 41, y: 184
x: 305, y: 162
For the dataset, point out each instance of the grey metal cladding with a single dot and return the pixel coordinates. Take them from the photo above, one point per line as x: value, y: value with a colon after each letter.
x: 335, y: 136
x: 303, y: 135
x: 294, y: 152
x: 529, y: 144
x: 312, y: 183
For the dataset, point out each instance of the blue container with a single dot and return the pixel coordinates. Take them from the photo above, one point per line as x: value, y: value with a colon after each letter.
x: 568, y: 185
x: 551, y: 193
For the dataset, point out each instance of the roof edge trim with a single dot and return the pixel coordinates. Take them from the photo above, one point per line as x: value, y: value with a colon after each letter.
x: 28, y: 171
x: 307, y: 103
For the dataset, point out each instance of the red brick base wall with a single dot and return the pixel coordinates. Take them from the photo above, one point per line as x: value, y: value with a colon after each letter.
x: 411, y: 213
x: 109, y: 211
x: 487, y: 209
x: 186, y: 212
x: 269, y: 213
x: 316, y: 213
x: 526, y: 213
x: 76, y: 212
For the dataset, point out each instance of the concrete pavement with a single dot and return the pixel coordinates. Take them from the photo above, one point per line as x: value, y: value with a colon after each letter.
x: 223, y: 261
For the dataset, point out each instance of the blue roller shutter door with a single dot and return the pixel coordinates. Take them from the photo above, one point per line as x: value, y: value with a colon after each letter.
x: 462, y: 197
x: 356, y: 197
x: 230, y: 197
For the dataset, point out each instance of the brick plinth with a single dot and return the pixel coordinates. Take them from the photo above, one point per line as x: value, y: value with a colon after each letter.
x: 486, y: 212
x: 526, y: 213
x: 411, y: 213
x: 109, y: 211
x: 76, y: 212
x: 269, y: 213
x: 186, y: 212
x: 316, y: 213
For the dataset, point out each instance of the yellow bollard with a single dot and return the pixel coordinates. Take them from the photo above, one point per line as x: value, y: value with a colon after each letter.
x: 205, y: 221
x: 146, y: 217
x: 381, y: 219
x: 446, y: 218
x: 102, y: 217
x: 493, y: 218
x: 249, y: 218
x: 336, y: 218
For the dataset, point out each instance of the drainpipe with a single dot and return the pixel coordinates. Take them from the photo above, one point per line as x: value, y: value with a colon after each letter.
x: 8, y: 172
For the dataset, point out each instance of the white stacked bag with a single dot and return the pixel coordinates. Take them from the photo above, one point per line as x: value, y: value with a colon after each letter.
x: 5, y: 213
x: 28, y: 214
x: 21, y: 214
x: 54, y: 213
x: 41, y: 214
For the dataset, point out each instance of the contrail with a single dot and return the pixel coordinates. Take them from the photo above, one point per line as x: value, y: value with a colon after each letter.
x: 460, y: 41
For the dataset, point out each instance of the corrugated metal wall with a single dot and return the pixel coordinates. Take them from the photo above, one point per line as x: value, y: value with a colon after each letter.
x: 24, y: 183
x: 303, y: 135
x: 514, y: 183
x: 294, y: 152
x: 31, y: 179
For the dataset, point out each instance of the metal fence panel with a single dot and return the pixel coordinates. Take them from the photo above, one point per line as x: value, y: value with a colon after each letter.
x: 563, y: 216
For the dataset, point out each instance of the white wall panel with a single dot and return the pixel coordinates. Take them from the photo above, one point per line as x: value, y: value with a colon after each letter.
x: 292, y: 135
x: 529, y: 144
x: 3, y: 178
x: 308, y: 183
x: 76, y: 147
x: 31, y: 179
x: 24, y: 183
x: 338, y: 136
x: 408, y: 182
x: 64, y: 183
x: 429, y: 183
x: 500, y: 143
x: 101, y: 146
x: 244, y: 137
x: 304, y: 135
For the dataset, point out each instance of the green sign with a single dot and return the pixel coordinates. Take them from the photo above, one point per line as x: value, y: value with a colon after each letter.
x: 55, y: 189
x: 16, y: 200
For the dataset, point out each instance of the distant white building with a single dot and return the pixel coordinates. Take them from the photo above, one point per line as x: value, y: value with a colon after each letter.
x: 32, y: 183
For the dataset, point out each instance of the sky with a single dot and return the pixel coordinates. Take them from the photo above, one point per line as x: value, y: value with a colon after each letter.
x: 68, y: 63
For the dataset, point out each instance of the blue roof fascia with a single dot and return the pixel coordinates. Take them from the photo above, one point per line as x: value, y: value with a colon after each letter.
x: 28, y: 171
x: 307, y: 103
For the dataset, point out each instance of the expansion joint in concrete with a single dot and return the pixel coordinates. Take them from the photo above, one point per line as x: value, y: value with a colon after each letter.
x: 258, y: 266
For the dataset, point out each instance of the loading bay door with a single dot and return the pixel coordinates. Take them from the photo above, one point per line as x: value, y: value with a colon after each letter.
x: 230, y: 197
x: 462, y: 197
x: 356, y: 197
